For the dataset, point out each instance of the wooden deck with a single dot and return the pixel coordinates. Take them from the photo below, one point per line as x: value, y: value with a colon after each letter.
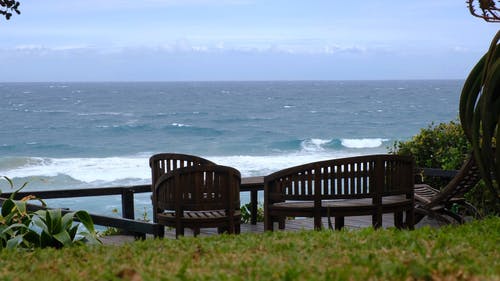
x: 291, y: 225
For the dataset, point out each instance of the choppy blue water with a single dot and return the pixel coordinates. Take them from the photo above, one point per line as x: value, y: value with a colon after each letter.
x: 73, y: 135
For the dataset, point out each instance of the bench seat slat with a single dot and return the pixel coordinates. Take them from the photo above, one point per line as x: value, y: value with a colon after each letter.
x: 198, y: 215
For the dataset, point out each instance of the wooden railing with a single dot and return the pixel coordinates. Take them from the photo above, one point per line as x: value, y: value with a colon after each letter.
x: 127, y: 222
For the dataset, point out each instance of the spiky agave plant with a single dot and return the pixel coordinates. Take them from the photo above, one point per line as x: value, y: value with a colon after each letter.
x: 480, y: 114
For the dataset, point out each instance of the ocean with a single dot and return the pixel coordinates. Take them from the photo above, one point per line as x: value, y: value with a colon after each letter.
x: 79, y: 135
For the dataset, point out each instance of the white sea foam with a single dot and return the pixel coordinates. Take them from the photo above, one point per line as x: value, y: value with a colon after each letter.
x: 180, y: 125
x: 135, y: 169
x: 88, y: 170
x: 263, y: 165
x: 363, y: 143
x: 312, y: 145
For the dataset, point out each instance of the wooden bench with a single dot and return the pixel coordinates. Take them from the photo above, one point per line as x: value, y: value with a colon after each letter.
x: 163, y: 163
x: 355, y: 186
x: 199, y: 196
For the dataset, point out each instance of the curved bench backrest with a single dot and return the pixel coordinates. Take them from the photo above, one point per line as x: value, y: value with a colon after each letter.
x: 354, y: 177
x: 165, y: 162
x: 199, y: 188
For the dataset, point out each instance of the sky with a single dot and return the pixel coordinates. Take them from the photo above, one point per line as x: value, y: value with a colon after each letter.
x: 234, y: 40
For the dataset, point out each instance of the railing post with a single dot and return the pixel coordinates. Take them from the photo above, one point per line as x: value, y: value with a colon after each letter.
x: 128, y: 209
x: 253, y: 211
x: 128, y: 203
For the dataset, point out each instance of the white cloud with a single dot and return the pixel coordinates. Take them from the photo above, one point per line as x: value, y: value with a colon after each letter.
x: 186, y: 46
x: 28, y: 47
x: 335, y: 49
x: 460, y: 49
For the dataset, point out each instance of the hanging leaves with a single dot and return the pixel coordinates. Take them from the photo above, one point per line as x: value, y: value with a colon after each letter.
x: 7, y: 7
x: 489, y: 10
x: 480, y: 114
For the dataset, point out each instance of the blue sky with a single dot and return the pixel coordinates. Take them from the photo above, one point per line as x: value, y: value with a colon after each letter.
x: 184, y: 40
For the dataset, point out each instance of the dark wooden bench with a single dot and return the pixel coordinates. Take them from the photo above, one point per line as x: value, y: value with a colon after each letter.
x: 199, y: 196
x: 355, y: 186
x: 163, y: 163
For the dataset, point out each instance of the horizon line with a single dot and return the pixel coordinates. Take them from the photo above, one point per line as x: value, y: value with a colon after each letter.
x: 239, y: 81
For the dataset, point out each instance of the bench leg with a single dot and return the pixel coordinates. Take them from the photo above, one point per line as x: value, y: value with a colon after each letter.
x: 410, y: 219
x: 317, y: 222
x: 222, y: 229
x: 196, y: 231
x: 339, y: 223
x: 159, y: 231
x: 377, y: 220
x: 268, y: 223
x: 398, y: 220
x: 281, y: 223
x: 179, y: 231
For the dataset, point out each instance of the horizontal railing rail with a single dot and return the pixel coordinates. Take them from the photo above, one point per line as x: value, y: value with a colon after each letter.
x: 82, y: 192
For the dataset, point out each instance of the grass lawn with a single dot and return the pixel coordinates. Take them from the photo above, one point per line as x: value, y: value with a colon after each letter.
x: 467, y: 252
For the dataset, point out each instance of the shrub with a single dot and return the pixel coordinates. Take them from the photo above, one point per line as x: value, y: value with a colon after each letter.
x: 442, y: 146
x: 446, y: 147
x: 21, y: 228
x: 57, y: 230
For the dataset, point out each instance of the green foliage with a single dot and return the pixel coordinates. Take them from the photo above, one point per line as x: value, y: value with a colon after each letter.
x: 480, y: 114
x: 15, y: 221
x: 57, y: 230
x: 442, y: 146
x: 465, y: 252
x: 9, y: 6
x: 246, y: 213
x: 445, y: 146
x: 21, y: 228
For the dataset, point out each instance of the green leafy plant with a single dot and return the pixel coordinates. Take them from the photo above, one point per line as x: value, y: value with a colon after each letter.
x: 442, y: 146
x: 15, y: 220
x: 445, y: 146
x: 57, y: 230
x: 480, y: 114
x: 246, y: 214
x: 21, y: 228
